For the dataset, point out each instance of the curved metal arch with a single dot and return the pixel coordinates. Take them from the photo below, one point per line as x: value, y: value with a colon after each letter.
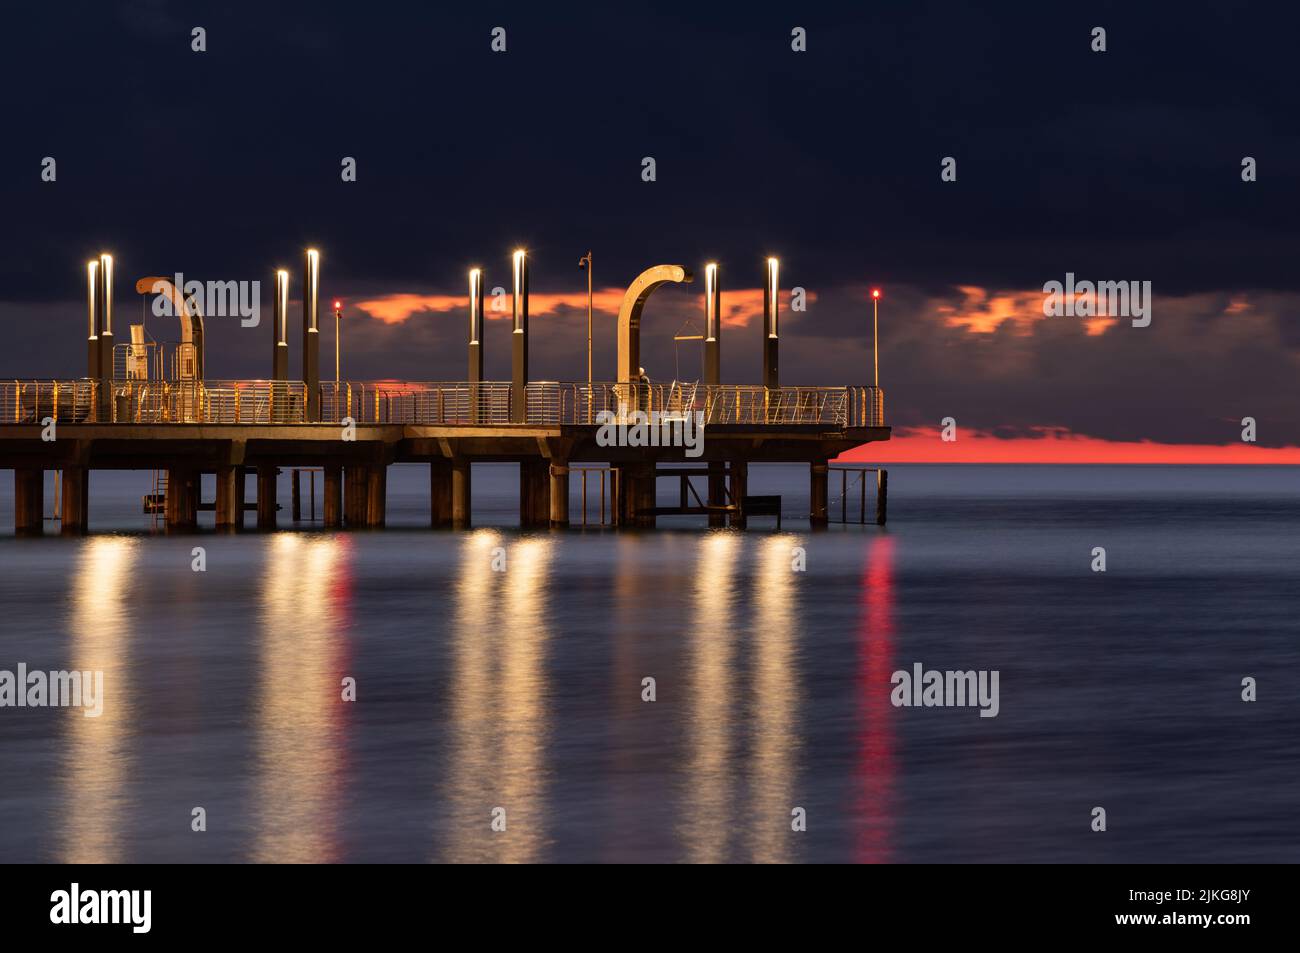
x: 191, y: 326
x: 629, y: 315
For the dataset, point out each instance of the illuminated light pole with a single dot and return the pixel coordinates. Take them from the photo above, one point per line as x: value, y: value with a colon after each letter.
x: 875, y: 335
x: 338, y: 342
x: 585, y: 264
x: 712, y: 325
x: 771, y: 288
x: 519, y: 357
x: 105, y: 302
x: 713, y: 376
x: 311, y: 332
x: 475, y: 340
x: 280, y: 327
x: 92, y: 316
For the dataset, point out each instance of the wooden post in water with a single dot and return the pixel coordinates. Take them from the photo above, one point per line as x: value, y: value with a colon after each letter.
x: 295, y: 494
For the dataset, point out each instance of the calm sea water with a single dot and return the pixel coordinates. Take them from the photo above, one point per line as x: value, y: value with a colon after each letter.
x: 523, y: 689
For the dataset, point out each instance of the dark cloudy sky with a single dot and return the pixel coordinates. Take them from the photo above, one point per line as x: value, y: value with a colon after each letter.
x: 1123, y: 165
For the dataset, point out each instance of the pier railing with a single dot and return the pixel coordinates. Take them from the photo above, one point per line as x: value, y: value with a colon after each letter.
x: 433, y: 403
x: 31, y: 402
x: 209, y: 402
x: 550, y: 402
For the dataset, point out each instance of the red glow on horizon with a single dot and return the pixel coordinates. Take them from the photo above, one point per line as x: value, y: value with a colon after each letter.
x: 1059, y: 447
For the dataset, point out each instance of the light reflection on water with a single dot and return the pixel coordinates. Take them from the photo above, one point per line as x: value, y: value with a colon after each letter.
x: 499, y: 701
x: 774, y: 646
x: 98, y: 756
x: 302, y: 739
x: 521, y: 689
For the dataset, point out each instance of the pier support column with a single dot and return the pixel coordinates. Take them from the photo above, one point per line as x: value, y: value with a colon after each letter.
x: 717, y: 492
x: 460, y: 493
x: 440, y: 494
x: 29, y: 501
x: 739, y: 487
x: 181, y: 505
x: 333, y: 504
x: 819, y: 494
x: 882, y: 495
x: 354, y: 495
x: 559, y: 495
x: 534, y: 494
x: 636, y: 493
x: 241, y: 495
x: 229, y: 509
x: 76, y: 500
x: 376, y: 495
x: 266, y: 478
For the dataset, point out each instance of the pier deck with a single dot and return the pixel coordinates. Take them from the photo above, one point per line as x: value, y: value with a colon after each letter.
x: 233, y: 428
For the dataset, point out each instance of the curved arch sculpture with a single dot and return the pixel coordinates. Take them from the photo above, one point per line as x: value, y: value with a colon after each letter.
x: 191, y: 324
x: 629, y: 316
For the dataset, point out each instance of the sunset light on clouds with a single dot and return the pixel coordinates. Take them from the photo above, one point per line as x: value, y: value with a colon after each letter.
x: 739, y: 307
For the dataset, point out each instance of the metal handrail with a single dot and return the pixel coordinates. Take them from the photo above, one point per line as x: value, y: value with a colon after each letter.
x: 454, y: 403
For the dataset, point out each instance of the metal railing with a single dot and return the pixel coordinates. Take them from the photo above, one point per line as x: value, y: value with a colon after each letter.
x: 403, y: 402
x: 31, y: 402
x: 436, y: 403
x: 209, y: 402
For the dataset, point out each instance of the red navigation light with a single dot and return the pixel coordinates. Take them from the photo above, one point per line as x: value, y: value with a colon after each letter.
x: 875, y: 292
x: 337, y: 305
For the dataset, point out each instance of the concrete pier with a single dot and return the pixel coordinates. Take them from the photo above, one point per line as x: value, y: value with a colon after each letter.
x: 376, y: 495
x: 229, y: 501
x: 559, y: 495
x: 181, y: 505
x: 717, y: 491
x: 460, y: 493
x: 636, y: 495
x: 534, y: 494
x: 739, y: 487
x: 354, y: 470
x: 440, y: 493
x: 882, y: 496
x: 75, y: 501
x: 29, y: 501
x: 266, y: 478
x: 354, y: 496
x: 332, y: 506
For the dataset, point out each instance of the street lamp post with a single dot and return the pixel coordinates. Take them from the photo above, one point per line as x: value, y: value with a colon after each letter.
x: 338, y: 342
x: 875, y: 335
x: 585, y: 264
